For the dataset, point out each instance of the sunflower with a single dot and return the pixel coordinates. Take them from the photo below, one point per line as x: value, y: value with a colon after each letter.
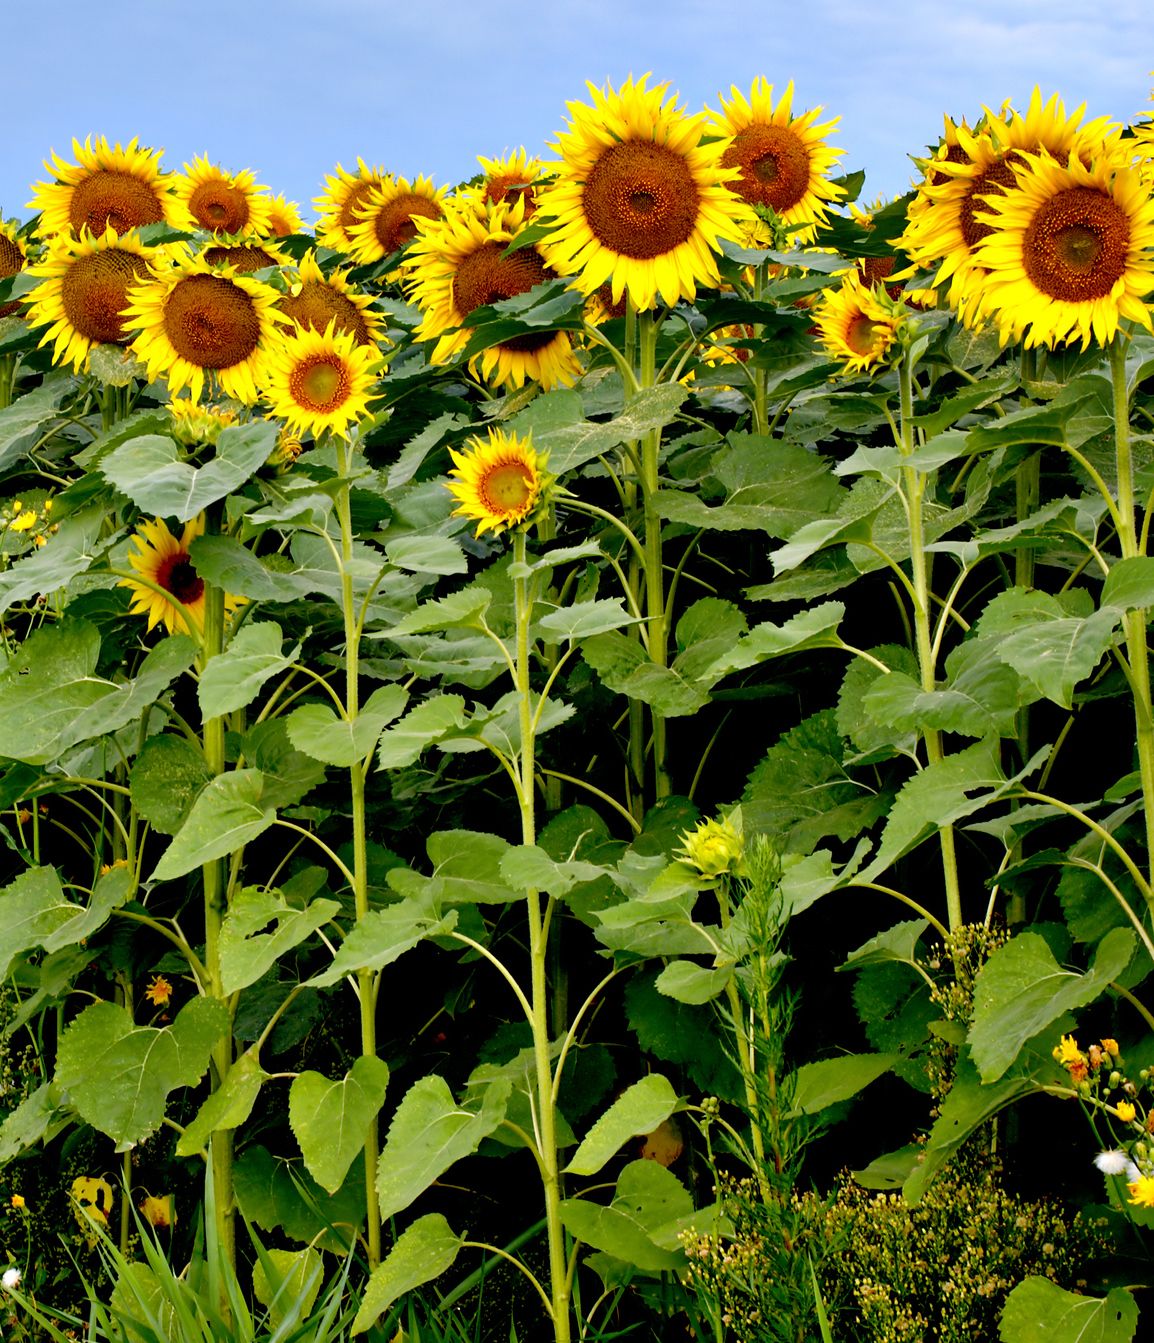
x: 320, y: 380
x: 207, y: 197
x: 945, y: 223
x: 1067, y: 251
x: 195, y: 321
x: 83, y: 291
x: 196, y: 425
x: 385, y: 217
x: 638, y: 200
x: 123, y: 187
x: 499, y: 482
x: 344, y: 195
x: 163, y: 562
x: 456, y: 266
x: 284, y: 217
x: 12, y: 257
x: 511, y: 178
x: 315, y: 300
x: 244, y: 257
x: 857, y: 325
x: 784, y: 160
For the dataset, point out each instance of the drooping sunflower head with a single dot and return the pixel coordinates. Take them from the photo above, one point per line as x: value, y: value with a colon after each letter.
x: 168, y: 591
x: 196, y: 425
x: 206, y: 197
x: 83, y: 291
x: 284, y: 217
x: 344, y: 195
x: 244, y: 257
x: 316, y: 300
x: 196, y: 323
x: 500, y: 481
x: 857, y: 325
x: 784, y: 160
x: 386, y: 218
x: 457, y: 265
x: 1068, y: 251
x: 320, y: 381
x: 13, y: 255
x: 511, y: 178
x: 638, y: 199
x: 108, y: 185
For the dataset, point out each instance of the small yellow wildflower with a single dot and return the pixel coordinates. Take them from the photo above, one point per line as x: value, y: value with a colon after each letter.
x: 1110, y: 1046
x: 25, y: 520
x: 1068, y: 1051
x: 1142, y: 1191
x: 1125, y: 1112
x: 159, y: 992
x: 18, y: 1201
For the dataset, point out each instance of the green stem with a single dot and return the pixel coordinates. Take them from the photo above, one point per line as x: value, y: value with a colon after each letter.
x: 1133, y: 622
x: 365, y: 978
x: 654, y: 559
x: 913, y: 485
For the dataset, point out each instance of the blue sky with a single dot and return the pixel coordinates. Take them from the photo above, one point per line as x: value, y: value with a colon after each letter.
x: 423, y: 86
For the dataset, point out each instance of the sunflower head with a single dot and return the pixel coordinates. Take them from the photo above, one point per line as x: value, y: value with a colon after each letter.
x: 196, y: 425
x: 344, y: 196
x: 386, y: 219
x: 196, y: 322
x: 168, y: 590
x: 320, y: 381
x: 315, y: 300
x: 638, y: 199
x: 499, y: 482
x: 13, y: 255
x: 284, y: 217
x: 107, y: 186
x: 206, y: 197
x: 83, y: 291
x: 857, y: 325
x: 510, y: 179
x: 243, y: 257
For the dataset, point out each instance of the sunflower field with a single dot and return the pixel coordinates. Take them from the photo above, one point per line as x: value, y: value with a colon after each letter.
x: 577, y: 752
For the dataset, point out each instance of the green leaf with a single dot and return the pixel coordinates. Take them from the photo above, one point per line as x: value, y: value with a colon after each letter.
x: 570, y: 446
x: 1022, y: 989
x: 117, y: 1075
x: 894, y: 944
x: 581, y: 620
x: 22, y: 423
x: 1039, y: 1311
x: 382, y: 936
x: 427, y: 555
x: 982, y: 702
x: 816, y: 1086
x: 1129, y: 585
x: 167, y: 776
x: 429, y: 1133
x: 233, y: 678
x: 316, y: 729
x: 281, y: 1196
x: 227, y: 815
x: 625, y: 667
x: 460, y: 609
x: 423, y: 725
x: 813, y: 628
x: 288, y: 774
x: 227, y: 1107
x: 692, y: 983
x: 229, y: 564
x: 296, y: 1281
x: 82, y: 538
x: 421, y: 1253
x: 1056, y: 654
x: 150, y: 469
x: 466, y: 870
x: 35, y: 912
x: 30, y: 1122
x: 646, y: 1198
x: 528, y: 867
x: 246, y: 951
x: 331, y: 1119
x: 638, y: 1110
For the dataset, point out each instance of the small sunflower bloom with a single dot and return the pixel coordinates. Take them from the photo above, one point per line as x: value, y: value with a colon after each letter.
x: 207, y: 197
x: 13, y: 255
x: 173, y: 594
x: 500, y: 481
x: 715, y: 849
x: 857, y: 325
x: 159, y: 994
x: 318, y: 381
x: 17, y: 1201
x: 198, y: 426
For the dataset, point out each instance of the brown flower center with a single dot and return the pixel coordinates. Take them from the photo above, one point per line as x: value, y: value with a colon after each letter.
x: 485, y: 276
x: 11, y: 260
x: 176, y: 576
x: 511, y: 188
x: 94, y: 292
x: 115, y: 198
x: 320, y: 383
x: 1076, y: 245
x: 219, y: 206
x: 211, y: 322
x: 992, y: 182
x: 506, y: 488
x: 954, y: 154
x: 640, y: 200
x: 393, y: 221
x: 245, y: 259
x: 318, y: 304
x: 861, y: 334
x: 358, y: 196
x: 774, y: 164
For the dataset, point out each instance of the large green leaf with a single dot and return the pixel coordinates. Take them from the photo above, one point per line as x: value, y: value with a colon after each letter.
x: 639, y: 1109
x: 233, y: 678
x: 421, y: 1253
x: 466, y: 870
x: 423, y: 725
x: 429, y: 1133
x: 331, y: 1119
x: 229, y: 564
x: 647, y: 1197
x: 280, y: 1195
x: 248, y: 949
x: 227, y: 814
x: 572, y: 445
x: 316, y: 729
x: 166, y: 778
x: 152, y: 471
x: 82, y: 538
x: 117, y: 1075
x: 22, y: 423
x: 288, y: 1281
x: 227, y: 1107
x: 625, y: 667
x: 1039, y: 1311
x: 1022, y: 989
x: 382, y: 936
x: 35, y: 912
x: 816, y: 1086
